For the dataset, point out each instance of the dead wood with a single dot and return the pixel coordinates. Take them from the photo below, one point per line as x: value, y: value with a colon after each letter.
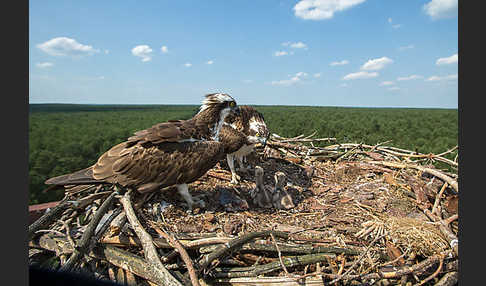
x: 148, y: 246
x: 345, y: 196
x: 235, y: 243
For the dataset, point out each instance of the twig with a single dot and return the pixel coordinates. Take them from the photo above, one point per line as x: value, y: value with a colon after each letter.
x: 256, y: 270
x: 437, y: 199
x: 340, y: 277
x: 235, y: 243
x: 48, y: 218
x: 148, y: 246
x: 279, y: 255
x: 441, y: 262
x: 183, y: 253
x: 87, y: 235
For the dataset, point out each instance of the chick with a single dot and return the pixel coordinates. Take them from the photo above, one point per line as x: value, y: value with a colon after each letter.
x: 261, y: 195
x: 281, y: 199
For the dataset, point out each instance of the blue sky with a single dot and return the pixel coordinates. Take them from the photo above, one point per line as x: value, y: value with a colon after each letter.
x: 365, y: 53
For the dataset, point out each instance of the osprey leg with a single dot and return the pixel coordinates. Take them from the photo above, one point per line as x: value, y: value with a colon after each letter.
x: 230, y: 158
x: 184, y: 192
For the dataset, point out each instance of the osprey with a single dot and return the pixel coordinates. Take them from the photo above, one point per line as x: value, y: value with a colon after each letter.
x: 176, y: 152
x: 251, y: 123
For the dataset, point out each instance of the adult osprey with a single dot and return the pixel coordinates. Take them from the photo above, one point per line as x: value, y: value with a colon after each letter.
x: 251, y: 123
x: 176, y: 152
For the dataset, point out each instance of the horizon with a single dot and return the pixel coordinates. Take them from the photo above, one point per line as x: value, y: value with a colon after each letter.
x: 265, y: 105
x: 358, y: 53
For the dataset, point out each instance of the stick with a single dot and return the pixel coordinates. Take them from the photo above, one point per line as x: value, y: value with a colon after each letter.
x: 433, y: 172
x: 148, y: 246
x: 183, y: 253
x: 339, y: 277
x: 272, y: 266
x: 134, y: 263
x: 235, y: 243
x: 441, y: 262
x: 87, y: 234
x: 437, y: 199
x: 279, y: 254
x: 449, y: 279
x: 48, y: 218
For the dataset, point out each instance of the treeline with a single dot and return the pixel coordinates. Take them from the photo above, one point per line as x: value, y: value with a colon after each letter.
x: 66, y: 138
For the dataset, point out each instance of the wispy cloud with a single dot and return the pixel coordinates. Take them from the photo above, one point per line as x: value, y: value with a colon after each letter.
x: 322, y: 9
x: 442, y: 78
x: 188, y: 65
x: 360, y: 75
x: 439, y: 9
x: 280, y: 53
x: 164, y: 49
x: 293, y: 79
x: 297, y: 45
x: 44, y: 65
x: 410, y: 77
x: 394, y: 26
x: 404, y: 48
x: 386, y: 83
x: 143, y: 51
x: 376, y: 64
x: 317, y: 75
x: 63, y: 46
x: 339, y: 63
x: 210, y: 62
x: 394, y: 88
x: 448, y: 60
x: 247, y: 80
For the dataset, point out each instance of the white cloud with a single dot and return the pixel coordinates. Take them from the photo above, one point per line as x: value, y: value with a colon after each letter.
x: 143, y: 51
x: 298, y: 45
x: 63, y: 46
x: 411, y: 77
x: 293, y: 80
x: 390, y: 20
x: 44, y: 65
x: 280, y: 53
x: 394, y: 88
x: 441, y: 78
x: 317, y: 75
x: 344, y: 85
x: 403, y: 48
x: 322, y: 9
x: 396, y: 26
x: 376, y: 64
x: 385, y: 83
x: 210, y: 62
x: 164, y: 49
x: 107, y: 52
x: 343, y: 62
x: 447, y: 61
x: 438, y: 9
x: 188, y: 65
x: 360, y: 75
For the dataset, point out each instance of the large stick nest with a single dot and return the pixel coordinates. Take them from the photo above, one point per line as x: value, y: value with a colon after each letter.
x: 362, y: 214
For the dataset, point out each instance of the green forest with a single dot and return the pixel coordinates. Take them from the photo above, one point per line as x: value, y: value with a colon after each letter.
x: 66, y: 137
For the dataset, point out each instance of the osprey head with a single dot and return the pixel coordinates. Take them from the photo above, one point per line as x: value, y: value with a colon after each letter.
x: 219, y: 105
x: 259, y: 132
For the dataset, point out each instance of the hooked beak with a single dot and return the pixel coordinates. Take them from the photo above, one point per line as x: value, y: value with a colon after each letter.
x: 236, y: 110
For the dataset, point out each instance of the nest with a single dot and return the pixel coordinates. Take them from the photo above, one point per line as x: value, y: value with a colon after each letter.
x: 357, y: 210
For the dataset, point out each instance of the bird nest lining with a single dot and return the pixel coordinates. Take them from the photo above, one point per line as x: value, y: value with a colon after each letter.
x: 356, y: 208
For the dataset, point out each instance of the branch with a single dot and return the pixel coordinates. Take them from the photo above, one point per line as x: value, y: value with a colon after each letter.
x: 236, y: 243
x: 147, y: 243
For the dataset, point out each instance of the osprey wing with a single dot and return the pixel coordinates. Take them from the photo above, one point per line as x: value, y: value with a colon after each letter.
x: 171, y: 131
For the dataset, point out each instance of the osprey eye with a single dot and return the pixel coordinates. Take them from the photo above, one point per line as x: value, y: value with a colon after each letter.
x: 257, y: 135
x: 232, y: 104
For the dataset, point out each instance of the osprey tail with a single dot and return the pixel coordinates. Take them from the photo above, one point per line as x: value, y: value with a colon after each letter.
x: 81, y: 177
